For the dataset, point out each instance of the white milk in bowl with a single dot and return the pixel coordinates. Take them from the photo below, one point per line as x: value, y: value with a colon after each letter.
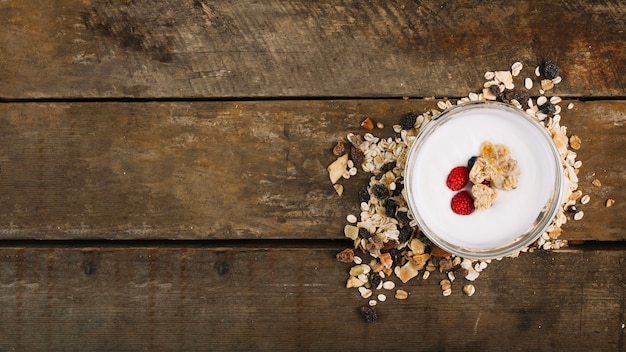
x: 517, y: 217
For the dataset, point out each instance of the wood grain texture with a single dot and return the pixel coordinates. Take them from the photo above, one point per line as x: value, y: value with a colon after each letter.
x: 187, y: 299
x: 229, y: 170
x: 350, y: 48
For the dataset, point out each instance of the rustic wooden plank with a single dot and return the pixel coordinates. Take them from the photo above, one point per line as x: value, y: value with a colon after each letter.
x: 228, y: 170
x: 203, y: 48
x: 93, y: 299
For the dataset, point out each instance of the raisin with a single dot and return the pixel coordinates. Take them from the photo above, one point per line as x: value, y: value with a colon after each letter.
x: 548, y: 108
x: 495, y: 90
x: 391, y: 207
x: 408, y: 121
x: 405, y: 233
x: 368, y: 313
x: 381, y: 192
x: 339, y: 149
x: 549, y: 70
x: 572, y: 209
x: 520, y: 96
x: 374, y: 280
x: 399, y: 187
x: 445, y: 264
x: 357, y: 156
x: 364, y: 195
x: 388, y: 166
x: 403, y: 218
x: 471, y: 162
x: 364, y: 233
x: 460, y: 273
x: 396, y: 256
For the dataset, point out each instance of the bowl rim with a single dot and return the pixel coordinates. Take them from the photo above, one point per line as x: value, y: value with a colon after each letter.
x: 546, y: 216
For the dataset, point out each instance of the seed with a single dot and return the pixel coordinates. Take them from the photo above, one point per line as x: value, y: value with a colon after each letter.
x: 426, y: 274
x: 596, y: 183
x: 585, y: 199
x: 579, y: 215
x: 351, y: 219
x: 570, y: 106
x: 528, y: 83
x: 402, y: 294
x: 469, y: 289
x: 380, y: 125
x: 389, y: 285
x: 609, y: 202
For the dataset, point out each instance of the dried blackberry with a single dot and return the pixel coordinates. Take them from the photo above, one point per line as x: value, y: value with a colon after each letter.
x: 471, y: 162
x: 408, y: 121
x: 495, y: 90
x: 381, y: 192
x: 364, y: 195
x: 374, y: 280
x: 357, y: 156
x: 405, y: 233
x: 548, y: 108
x: 391, y: 206
x: 368, y: 313
x: 364, y: 233
x: 549, y: 70
x: 445, y: 264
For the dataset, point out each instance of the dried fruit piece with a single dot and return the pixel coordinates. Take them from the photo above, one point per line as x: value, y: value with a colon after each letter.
x: 457, y: 178
x: 408, y: 121
x: 462, y: 203
x: 368, y: 124
x: 379, y: 191
x: 357, y: 156
x: 368, y: 313
x: 549, y: 70
x: 339, y: 148
x: 548, y: 108
x: 337, y: 168
x: 345, y: 256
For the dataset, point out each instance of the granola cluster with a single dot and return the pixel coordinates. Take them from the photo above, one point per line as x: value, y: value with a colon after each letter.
x: 493, y: 169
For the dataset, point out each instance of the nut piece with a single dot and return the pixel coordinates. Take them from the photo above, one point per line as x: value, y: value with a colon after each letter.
x: 574, y: 142
x: 368, y: 124
x: 402, y: 294
x: 609, y: 202
x: 469, y: 289
x: 337, y: 168
x: 339, y: 148
x: 547, y: 84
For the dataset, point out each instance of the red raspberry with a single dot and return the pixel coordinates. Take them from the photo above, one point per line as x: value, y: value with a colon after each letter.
x: 462, y: 203
x: 457, y: 178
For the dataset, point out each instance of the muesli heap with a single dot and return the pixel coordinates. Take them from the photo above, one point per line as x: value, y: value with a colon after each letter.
x: 385, y: 231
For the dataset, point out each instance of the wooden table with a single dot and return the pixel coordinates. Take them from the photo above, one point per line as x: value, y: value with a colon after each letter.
x: 164, y: 186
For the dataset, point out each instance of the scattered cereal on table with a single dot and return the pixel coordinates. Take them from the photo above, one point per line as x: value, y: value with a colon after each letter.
x: 596, y: 183
x: 609, y: 202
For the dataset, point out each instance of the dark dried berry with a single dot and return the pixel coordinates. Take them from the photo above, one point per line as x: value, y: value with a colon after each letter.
x: 495, y: 90
x: 368, y: 313
x: 572, y: 209
x: 549, y: 70
x: 445, y: 264
x: 374, y: 280
x: 548, y: 108
x: 379, y: 176
x: 396, y: 256
x: 379, y: 191
x: 357, y: 156
x: 391, y: 207
x: 364, y: 233
x: 403, y: 218
x: 408, y: 121
x: 460, y: 273
x: 520, y: 96
x: 364, y: 195
x: 471, y: 162
x: 399, y: 187
x: 405, y: 233
x: 388, y: 166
